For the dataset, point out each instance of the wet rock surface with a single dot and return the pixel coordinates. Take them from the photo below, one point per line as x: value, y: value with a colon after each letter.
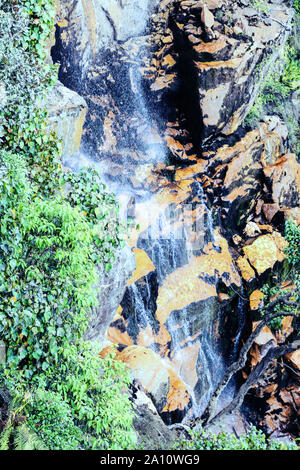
x: 66, y: 116
x: 208, y: 198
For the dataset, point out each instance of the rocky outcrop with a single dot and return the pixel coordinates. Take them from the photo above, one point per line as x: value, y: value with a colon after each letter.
x: 168, y: 393
x: 151, y: 431
x: 231, y: 48
x: 275, y: 398
x: 284, y: 180
x: 86, y: 28
x: 206, y: 66
x: 66, y: 115
x: 265, y: 251
x: 110, y: 281
x: 208, y: 199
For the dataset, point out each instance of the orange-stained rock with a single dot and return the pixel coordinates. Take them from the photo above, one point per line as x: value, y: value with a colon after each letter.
x: 223, y: 297
x: 286, y: 329
x: 293, y: 213
x: 211, y: 47
x: 144, y: 265
x: 278, y: 415
x: 182, y: 288
x: 248, y: 273
x: 252, y: 229
x: 294, y: 359
x: 265, y: 251
x: 185, y: 363
x: 157, y: 378
x: 145, y: 337
x: 240, y: 167
x: 117, y: 334
x: 186, y: 285
x: 108, y: 350
x: 264, y: 336
x: 168, y: 61
x: 256, y: 300
x: 284, y: 176
x: 261, y: 344
x: 270, y: 210
x: 265, y: 228
x: 163, y: 82
x: 178, y: 396
x: 236, y: 239
x: 218, y: 64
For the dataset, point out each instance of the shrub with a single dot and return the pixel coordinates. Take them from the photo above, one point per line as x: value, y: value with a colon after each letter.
x: 97, y: 392
x: 85, y: 190
x: 292, y: 235
x: 80, y: 402
x: 253, y: 439
x: 55, y: 227
x: 25, y: 77
x: 277, y: 90
x: 51, y: 417
x: 47, y: 275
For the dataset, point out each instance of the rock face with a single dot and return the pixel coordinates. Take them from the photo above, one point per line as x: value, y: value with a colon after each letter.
x: 112, y: 281
x: 229, y: 55
x: 90, y: 28
x: 152, y: 432
x: 276, y: 398
x: 168, y: 393
x: 167, y: 85
x: 66, y: 115
x: 265, y: 251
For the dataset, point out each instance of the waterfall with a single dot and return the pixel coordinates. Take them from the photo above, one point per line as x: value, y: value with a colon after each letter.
x: 176, y: 227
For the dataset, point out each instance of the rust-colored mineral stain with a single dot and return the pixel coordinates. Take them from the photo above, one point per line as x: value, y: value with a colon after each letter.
x: 185, y: 285
x: 168, y: 61
x: 211, y: 47
x: 116, y: 336
x: 178, y: 397
x: 265, y: 251
x: 233, y: 63
x: 163, y: 82
x: 256, y: 299
x: 144, y: 265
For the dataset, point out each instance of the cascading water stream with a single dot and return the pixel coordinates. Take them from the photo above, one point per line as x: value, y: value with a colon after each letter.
x: 168, y: 238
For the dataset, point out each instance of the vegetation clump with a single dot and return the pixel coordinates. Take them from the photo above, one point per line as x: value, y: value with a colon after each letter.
x: 279, y: 90
x: 56, y: 229
x: 252, y: 439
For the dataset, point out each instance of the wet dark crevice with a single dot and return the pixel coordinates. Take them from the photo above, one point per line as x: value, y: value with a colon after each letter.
x: 187, y: 96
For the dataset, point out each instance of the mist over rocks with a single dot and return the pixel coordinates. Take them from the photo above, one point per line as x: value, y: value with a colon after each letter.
x: 163, y: 89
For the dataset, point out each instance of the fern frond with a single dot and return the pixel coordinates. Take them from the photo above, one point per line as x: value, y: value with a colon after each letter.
x: 25, y: 439
x: 5, y: 436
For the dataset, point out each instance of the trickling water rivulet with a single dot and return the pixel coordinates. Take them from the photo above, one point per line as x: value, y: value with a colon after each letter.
x: 172, y: 306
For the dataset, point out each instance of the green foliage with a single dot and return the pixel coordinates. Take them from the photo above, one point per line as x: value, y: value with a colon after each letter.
x: 85, y: 190
x: 253, y: 439
x: 47, y: 274
x: 51, y: 416
x: 292, y: 267
x: 55, y: 228
x: 25, y: 77
x: 292, y: 235
x: 80, y: 402
x: 97, y: 391
x: 260, y: 6
x: 277, y: 91
x: 17, y: 435
x: 20, y: 438
x: 270, y: 292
